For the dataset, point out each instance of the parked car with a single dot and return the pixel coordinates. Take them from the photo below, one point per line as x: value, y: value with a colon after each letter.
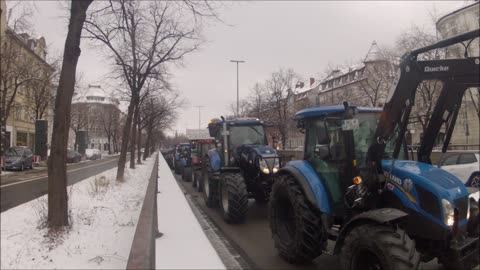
x: 465, y: 166
x: 93, y: 154
x: 73, y: 156
x: 18, y: 158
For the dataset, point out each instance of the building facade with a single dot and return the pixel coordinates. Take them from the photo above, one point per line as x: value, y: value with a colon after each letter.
x: 461, y: 20
x: 97, y: 113
x: 23, y: 66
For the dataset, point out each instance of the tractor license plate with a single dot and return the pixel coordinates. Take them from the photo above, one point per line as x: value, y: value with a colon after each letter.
x: 350, y: 124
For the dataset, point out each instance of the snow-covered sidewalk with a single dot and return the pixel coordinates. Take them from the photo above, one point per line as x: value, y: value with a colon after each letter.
x: 184, y: 244
x: 103, y: 216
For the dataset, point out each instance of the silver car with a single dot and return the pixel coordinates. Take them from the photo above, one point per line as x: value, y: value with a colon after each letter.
x: 18, y: 158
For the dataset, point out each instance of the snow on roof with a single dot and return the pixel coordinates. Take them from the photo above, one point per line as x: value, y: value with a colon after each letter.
x: 341, y: 72
x: 94, y: 94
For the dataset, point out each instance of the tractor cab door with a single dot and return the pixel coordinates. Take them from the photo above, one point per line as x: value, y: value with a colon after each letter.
x: 328, y: 149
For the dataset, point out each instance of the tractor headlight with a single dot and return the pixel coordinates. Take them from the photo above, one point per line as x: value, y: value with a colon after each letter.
x: 263, y: 166
x: 276, y: 165
x: 447, y: 212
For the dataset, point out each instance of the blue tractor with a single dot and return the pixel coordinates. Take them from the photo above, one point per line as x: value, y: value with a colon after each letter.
x: 355, y: 186
x: 181, y: 153
x: 241, y: 166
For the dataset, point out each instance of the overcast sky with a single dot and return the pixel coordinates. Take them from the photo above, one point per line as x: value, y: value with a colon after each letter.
x: 305, y: 36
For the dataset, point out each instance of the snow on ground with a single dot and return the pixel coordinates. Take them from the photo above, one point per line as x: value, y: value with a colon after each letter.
x: 184, y: 244
x: 104, y: 218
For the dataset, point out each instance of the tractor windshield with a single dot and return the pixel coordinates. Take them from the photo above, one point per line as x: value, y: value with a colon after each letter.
x: 364, y: 136
x: 240, y: 135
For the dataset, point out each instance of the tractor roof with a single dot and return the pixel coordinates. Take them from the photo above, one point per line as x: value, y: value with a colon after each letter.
x: 238, y: 122
x: 331, y: 110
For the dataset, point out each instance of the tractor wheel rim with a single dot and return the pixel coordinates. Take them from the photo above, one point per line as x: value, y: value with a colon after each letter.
x: 475, y: 181
x: 224, y: 197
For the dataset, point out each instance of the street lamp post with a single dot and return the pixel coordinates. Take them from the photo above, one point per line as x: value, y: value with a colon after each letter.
x: 199, y: 115
x: 237, y: 61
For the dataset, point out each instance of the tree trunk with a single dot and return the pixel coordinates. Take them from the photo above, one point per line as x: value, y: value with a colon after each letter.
x: 57, y: 174
x: 126, y: 135
x: 134, y: 138
x: 139, y: 146
x: 109, y: 147
x: 147, y: 143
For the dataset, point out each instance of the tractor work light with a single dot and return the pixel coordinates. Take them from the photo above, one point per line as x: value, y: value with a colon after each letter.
x: 357, y: 180
x: 448, y: 212
x: 265, y: 170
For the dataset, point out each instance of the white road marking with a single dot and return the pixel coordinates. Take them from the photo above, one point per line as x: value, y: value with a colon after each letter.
x: 41, y: 177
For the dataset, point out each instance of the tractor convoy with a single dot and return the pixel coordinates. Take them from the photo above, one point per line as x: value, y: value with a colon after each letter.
x: 355, y: 185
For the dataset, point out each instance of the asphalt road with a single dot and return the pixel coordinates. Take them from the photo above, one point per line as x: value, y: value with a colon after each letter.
x: 254, y: 242
x: 21, y: 187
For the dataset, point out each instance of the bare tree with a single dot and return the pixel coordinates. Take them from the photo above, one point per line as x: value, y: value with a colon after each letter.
x: 142, y: 37
x: 256, y: 100
x: 79, y: 119
x: 427, y: 91
x: 109, y: 120
x: 279, y: 99
x: 57, y: 173
x: 243, y: 110
x: 40, y: 96
x: 377, y: 80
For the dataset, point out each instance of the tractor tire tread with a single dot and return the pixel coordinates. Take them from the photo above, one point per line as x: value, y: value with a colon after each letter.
x: 398, y: 248
x: 310, y: 238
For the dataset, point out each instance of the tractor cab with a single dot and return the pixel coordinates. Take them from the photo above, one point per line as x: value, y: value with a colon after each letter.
x: 337, y: 139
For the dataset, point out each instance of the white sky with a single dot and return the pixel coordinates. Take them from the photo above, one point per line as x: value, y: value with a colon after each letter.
x: 305, y: 36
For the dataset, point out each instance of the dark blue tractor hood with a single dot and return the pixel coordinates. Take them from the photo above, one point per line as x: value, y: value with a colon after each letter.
x: 261, y: 150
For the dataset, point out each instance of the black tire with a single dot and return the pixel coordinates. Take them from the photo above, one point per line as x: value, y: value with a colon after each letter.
x: 474, y: 180
x: 378, y: 246
x: 187, y: 174
x: 233, y: 197
x: 194, y: 179
x: 178, y: 168
x: 210, y: 189
x: 198, y: 179
x: 294, y: 223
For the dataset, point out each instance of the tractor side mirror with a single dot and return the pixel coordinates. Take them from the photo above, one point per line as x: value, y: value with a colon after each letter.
x: 322, y: 151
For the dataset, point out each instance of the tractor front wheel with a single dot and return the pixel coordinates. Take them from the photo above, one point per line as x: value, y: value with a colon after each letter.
x: 233, y: 197
x: 378, y: 246
x: 295, y: 225
x: 209, y: 190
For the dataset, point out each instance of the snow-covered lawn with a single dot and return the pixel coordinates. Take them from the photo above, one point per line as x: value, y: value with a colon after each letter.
x: 103, y: 215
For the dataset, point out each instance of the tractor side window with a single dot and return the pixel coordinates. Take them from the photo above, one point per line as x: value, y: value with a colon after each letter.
x: 336, y: 140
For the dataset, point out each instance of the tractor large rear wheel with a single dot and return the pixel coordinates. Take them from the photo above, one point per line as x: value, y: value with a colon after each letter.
x: 378, y: 246
x: 295, y: 225
x: 233, y: 197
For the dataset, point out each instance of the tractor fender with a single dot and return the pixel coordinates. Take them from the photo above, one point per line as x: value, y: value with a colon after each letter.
x: 380, y: 216
x: 310, y: 182
x: 215, y: 161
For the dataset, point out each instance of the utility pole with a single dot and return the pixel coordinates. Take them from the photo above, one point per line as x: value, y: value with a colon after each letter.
x: 237, y: 61
x: 199, y: 116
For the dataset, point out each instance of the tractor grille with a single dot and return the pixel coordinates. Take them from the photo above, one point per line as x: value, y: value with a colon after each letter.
x: 462, y: 206
x: 429, y: 202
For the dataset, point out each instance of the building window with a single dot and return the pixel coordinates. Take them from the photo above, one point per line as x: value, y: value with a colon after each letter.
x: 18, y: 113
x: 21, y: 139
